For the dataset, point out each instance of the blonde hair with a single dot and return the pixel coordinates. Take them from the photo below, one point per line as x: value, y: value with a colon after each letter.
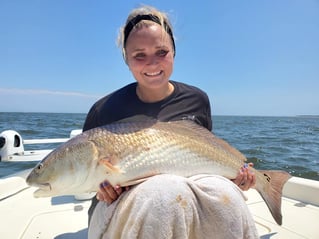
x: 140, y: 17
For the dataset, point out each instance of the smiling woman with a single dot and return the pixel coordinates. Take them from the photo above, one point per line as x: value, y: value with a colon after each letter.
x: 150, y: 59
x: 148, y: 49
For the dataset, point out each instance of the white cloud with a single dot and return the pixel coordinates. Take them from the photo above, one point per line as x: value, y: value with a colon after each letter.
x: 16, y: 91
x: 38, y: 100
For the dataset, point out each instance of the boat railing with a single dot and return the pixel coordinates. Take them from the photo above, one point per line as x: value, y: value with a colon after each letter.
x: 45, y: 141
x: 11, y: 143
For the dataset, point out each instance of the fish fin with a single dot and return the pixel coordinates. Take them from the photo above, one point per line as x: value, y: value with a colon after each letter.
x: 137, y: 118
x: 272, y: 192
x: 135, y: 181
x: 110, y: 167
x: 207, y: 136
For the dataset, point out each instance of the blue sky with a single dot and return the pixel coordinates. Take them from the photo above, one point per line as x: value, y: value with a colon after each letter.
x: 251, y: 57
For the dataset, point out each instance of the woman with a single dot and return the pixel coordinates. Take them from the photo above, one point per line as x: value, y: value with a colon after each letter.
x: 148, y: 49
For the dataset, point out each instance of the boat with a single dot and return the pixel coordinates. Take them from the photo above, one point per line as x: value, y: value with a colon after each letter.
x: 65, y: 217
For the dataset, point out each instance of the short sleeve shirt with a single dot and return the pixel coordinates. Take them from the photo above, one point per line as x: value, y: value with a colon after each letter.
x: 186, y: 102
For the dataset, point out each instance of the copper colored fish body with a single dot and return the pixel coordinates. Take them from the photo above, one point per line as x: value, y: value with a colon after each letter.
x: 128, y: 153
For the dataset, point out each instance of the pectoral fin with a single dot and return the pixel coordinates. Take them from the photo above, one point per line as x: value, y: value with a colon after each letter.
x: 109, y: 166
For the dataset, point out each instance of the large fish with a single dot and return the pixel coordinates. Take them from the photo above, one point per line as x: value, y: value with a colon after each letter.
x: 128, y: 153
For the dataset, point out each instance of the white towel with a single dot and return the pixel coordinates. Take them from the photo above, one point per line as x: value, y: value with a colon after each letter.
x: 169, y: 206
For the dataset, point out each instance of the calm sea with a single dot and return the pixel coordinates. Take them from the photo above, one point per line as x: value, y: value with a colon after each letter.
x: 285, y: 143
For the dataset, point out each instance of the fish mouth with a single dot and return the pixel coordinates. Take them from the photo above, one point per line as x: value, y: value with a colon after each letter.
x: 44, y: 190
x: 43, y: 187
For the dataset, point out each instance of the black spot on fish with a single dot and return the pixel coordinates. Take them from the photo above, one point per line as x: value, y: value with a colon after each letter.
x: 267, y: 177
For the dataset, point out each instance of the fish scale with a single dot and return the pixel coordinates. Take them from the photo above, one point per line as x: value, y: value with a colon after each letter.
x: 129, y: 153
x: 161, y: 154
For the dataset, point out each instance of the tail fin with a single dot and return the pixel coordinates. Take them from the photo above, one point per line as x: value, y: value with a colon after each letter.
x: 271, y: 190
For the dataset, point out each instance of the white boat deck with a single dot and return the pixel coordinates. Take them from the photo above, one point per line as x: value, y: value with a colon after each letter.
x: 64, y: 217
x: 23, y: 216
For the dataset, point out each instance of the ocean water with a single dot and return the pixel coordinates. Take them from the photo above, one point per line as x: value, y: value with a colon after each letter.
x: 281, y: 143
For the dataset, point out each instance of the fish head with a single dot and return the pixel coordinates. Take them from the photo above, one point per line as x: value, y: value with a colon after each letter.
x: 64, y: 170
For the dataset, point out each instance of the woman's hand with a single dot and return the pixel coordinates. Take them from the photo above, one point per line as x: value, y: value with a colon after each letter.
x: 245, y: 178
x: 108, y: 193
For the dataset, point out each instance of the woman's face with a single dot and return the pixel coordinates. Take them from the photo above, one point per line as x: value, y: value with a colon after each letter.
x: 149, y: 55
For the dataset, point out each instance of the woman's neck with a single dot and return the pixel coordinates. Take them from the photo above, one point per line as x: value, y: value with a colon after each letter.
x: 151, y: 96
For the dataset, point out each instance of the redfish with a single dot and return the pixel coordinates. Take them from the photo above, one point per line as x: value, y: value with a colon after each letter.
x: 128, y: 153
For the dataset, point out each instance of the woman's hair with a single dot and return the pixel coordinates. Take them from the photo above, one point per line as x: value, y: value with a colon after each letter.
x: 144, y: 16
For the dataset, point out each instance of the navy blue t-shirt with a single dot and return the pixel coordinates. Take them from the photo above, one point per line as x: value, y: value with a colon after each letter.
x: 186, y: 102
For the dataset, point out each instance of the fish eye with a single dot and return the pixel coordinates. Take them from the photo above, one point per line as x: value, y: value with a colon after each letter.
x: 40, y: 165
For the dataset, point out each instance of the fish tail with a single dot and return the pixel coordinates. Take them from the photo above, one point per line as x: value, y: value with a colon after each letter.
x: 271, y: 191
